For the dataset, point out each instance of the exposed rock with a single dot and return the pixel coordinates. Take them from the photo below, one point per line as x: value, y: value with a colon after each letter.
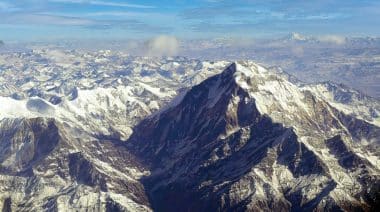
x: 221, y: 148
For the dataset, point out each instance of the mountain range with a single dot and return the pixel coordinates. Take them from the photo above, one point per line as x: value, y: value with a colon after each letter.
x: 182, y: 135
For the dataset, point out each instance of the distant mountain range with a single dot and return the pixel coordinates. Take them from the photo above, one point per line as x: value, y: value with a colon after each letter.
x: 336, y: 39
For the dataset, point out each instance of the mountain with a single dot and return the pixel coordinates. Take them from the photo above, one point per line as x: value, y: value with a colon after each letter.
x: 44, y: 167
x: 64, y: 117
x: 102, y: 93
x: 108, y: 132
x: 297, y: 37
x: 248, y: 139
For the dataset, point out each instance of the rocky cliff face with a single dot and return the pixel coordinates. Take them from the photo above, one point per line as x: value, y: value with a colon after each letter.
x: 248, y: 139
x: 44, y: 168
x: 244, y: 139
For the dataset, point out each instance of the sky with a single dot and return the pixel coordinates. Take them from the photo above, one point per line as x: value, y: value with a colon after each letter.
x: 48, y: 20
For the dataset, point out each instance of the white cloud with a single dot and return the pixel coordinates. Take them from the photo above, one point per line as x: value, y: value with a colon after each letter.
x: 163, y: 45
x: 45, y: 20
x: 105, y: 3
x: 4, y: 5
x: 7, y: 7
x: 114, y: 4
x: 336, y: 39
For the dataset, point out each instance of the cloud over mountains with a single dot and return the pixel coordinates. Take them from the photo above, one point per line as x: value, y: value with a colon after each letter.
x: 163, y: 45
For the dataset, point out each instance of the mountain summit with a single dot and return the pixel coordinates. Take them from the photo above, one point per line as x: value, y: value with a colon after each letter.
x: 248, y: 139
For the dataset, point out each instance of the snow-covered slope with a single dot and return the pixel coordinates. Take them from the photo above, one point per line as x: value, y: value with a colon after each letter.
x: 104, y: 131
x: 44, y: 168
x: 63, y: 117
x: 100, y: 92
x: 248, y: 139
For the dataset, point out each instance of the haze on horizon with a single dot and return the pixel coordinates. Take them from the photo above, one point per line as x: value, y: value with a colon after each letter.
x: 49, y: 20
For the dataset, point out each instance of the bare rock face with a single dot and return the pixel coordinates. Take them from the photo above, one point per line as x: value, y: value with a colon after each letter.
x: 25, y: 143
x: 84, y: 172
x: 7, y: 205
x: 44, y: 168
x: 233, y: 144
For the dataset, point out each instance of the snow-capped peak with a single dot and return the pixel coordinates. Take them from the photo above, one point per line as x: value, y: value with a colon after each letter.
x: 297, y: 36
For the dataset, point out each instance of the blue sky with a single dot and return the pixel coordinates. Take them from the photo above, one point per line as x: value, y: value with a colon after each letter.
x: 32, y: 20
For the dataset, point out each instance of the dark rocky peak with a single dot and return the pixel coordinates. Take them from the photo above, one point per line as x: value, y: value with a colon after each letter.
x: 215, y: 107
x: 249, y: 139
